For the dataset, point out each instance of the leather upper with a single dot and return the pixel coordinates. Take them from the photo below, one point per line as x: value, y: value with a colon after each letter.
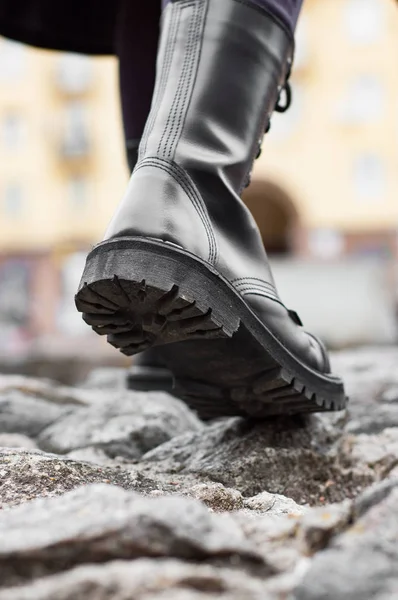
x: 221, y: 65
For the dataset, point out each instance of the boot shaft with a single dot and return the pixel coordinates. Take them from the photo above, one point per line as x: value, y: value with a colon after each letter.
x: 221, y: 65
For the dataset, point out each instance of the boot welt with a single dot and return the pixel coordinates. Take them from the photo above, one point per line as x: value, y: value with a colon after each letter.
x: 143, y: 292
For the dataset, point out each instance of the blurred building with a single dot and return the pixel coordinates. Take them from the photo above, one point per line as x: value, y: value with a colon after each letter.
x: 325, y: 187
x: 329, y: 165
x: 62, y: 169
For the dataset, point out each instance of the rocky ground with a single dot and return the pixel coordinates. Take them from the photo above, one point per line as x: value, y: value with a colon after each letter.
x: 107, y: 494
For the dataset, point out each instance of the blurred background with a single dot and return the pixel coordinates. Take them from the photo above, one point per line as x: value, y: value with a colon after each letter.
x: 324, y: 191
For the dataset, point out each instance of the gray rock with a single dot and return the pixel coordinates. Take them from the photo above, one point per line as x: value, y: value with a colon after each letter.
x: 217, y: 497
x: 289, y: 456
x: 390, y: 395
x: 25, y: 475
x: 101, y: 522
x: 16, y: 440
x: 93, y: 455
x: 27, y: 415
x: 274, y: 504
x: 143, y: 579
x: 124, y: 424
x: 371, y: 380
x: 252, y: 480
x: 319, y: 525
x: 362, y: 562
x: 110, y: 378
x: 45, y: 389
x: 276, y: 537
x: 379, y: 451
x: 372, y: 496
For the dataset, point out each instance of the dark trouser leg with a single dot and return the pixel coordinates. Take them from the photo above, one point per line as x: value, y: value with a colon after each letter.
x: 136, y: 44
x: 286, y: 10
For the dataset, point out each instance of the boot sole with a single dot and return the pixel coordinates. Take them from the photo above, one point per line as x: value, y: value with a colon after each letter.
x: 150, y: 379
x: 142, y: 292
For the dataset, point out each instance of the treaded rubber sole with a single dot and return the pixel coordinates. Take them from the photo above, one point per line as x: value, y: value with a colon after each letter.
x: 142, y: 292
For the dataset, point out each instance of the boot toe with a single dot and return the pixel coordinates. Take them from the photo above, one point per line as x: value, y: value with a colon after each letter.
x: 320, y: 353
x: 287, y: 327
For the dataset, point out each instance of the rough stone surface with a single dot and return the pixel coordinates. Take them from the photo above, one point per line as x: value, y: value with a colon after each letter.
x: 143, y: 579
x: 45, y: 389
x: 371, y: 379
x: 148, y: 503
x: 102, y: 522
x: 217, y: 497
x: 291, y: 456
x: 273, y: 503
x: 360, y: 563
x: 122, y: 424
x: 26, y: 414
x: 25, y: 475
x: 16, y: 440
x: 111, y: 378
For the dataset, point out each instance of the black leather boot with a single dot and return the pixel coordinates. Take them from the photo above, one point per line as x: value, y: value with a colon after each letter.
x: 148, y: 372
x: 182, y: 266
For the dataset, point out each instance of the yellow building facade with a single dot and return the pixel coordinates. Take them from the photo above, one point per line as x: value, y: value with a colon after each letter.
x: 335, y: 155
x: 326, y: 184
x: 61, y: 155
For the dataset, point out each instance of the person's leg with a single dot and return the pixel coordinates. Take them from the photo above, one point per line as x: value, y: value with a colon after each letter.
x: 286, y: 10
x: 137, y: 35
x: 182, y: 267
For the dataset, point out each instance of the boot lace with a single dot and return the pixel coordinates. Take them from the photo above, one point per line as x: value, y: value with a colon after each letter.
x: 282, y: 105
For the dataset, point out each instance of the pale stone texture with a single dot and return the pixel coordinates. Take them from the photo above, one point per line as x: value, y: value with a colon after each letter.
x: 148, y: 503
x: 121, y: 424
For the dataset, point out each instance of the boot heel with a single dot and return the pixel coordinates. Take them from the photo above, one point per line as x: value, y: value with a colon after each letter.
x: 140, y: 293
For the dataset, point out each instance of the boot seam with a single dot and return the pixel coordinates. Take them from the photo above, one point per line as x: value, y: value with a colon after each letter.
x: 183, y: 81
x: 243, y: 279
x: 263, y: 294
x: 260, y: 292
x: 166, y: 66
x: 183, y: 180
x: 185, y: 85
x: 198, y: 23
x: 253, y: 282
x: 179, y: 7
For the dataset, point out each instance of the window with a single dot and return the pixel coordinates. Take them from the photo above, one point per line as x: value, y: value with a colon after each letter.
x: 12, y: 60
x: 14, y: 293
x: 364, y: 100
x: 75, y: 141
x: 74, y: 73
x: 364, y: 20
x: 369, y: 177
x: 13, y: 200
x: 78, y: 191
x: 12, y: 131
